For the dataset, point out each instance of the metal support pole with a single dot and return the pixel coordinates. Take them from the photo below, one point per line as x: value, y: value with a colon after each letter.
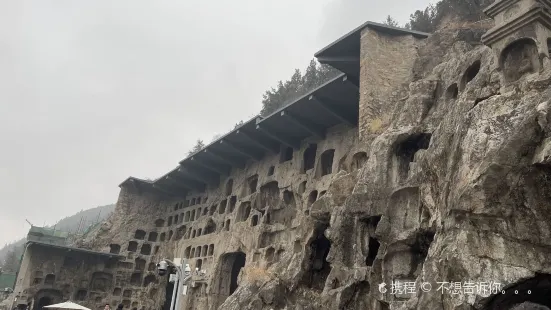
x: 177, y: 305
x: 173, y: 293
x: 180, y: 280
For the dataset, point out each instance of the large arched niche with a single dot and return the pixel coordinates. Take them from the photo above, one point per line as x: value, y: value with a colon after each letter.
x: 46, y: 297
x: 535, y: 291
x: 518, y: 58
x: 230, y: 265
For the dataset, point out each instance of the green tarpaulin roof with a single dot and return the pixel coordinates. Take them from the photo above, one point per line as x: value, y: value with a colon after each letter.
x: 48, y: 232
x: 7, y: 280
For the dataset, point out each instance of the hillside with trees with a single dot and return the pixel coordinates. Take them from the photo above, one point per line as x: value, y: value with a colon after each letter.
x: 316, y: 74
x: 298, y: 85
x: 77, y: 223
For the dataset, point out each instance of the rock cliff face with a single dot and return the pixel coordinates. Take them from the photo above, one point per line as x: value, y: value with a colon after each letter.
x: 438, y: 199
x: 420, y: 178
x: 456, y: 189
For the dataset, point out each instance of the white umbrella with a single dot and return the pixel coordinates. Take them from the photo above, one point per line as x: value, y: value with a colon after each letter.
x: 68, y: 305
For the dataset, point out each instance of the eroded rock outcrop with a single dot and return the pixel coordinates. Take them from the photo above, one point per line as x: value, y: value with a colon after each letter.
x: 456, y: 189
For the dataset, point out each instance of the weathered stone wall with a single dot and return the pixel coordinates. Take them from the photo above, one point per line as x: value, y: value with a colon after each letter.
x: 260, y: 211
x: 60, y: 275
x: 386, y: 63
x: 451, y: 182
x: 456, y: 189
x: 138, y: 231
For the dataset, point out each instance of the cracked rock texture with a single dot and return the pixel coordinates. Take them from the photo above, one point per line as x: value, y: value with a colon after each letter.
x: 447, y: 178
x: 457, y: 188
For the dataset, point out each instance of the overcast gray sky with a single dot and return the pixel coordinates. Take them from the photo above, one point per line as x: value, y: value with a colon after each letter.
x: 92, y: 92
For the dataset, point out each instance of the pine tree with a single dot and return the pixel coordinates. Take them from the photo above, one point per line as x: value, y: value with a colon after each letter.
x: 390, y: 21
x: 285, y: 92
x: 11, y: 263
x: 199, y: 145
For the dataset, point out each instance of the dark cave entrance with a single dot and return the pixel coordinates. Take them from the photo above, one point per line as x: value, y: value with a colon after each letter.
x: 168, y: 294
x: 43, y: 302
x: 533, y: 293
x: 372, y: 245
x: 228, y: 273
x: 46, y: 297
x: 319, y: 267
x: 373, y: 250
x: 405, y: 153
x: 309, y: 157
x: 238, y: 263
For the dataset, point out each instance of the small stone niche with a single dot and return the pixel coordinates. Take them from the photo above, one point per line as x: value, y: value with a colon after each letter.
x: 81, y: 295
x: 318, y: 267
x: 243, y: 211
x: 312, y: 197
x: 302, y: 187
x: 372, y: 244
x: 326, y: 162
x: 148, y: 280
x: 452, y: 92
x: 114, y: 248
x: 101, y: 281
x: 288, y: 197
x: 152, y: 236
x: 229, y: 187
x: 210, y: 227
x: 140, y: 234
x: 358, y: 160
x: 233, y: 202
x: 222, y: 207
x: 309, y: 157
x: 470, y: 74
x: 159, y: 223
x: 520, y: 58
x: 136, y: 279
x: 254, y: 220
x: 270, y: 255
x: 286, y: 154
x: 252, y: 183
x: 404, y: 154
x: 50, y: 279
x: 132, y: 246
x: 139, y: 264
x: 269, y: 195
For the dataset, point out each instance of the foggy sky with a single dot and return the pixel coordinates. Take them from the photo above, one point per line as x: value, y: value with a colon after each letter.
x: 92, y: 92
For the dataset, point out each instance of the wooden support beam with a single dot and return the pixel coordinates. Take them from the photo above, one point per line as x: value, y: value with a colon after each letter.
x: 201, y: 178
x: 304, y: 124
x: 224, y: 160
x: 240, y: 151
x: 210, y: 166
x: 162, y: 190
x: 182, y: 183
x: 332, y: 110
x: 339, y: 59
x: 198, y: 179
x: 284, y: 141
x: 258, y: 143
x: 136, y: 186
x: 351, y: 81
